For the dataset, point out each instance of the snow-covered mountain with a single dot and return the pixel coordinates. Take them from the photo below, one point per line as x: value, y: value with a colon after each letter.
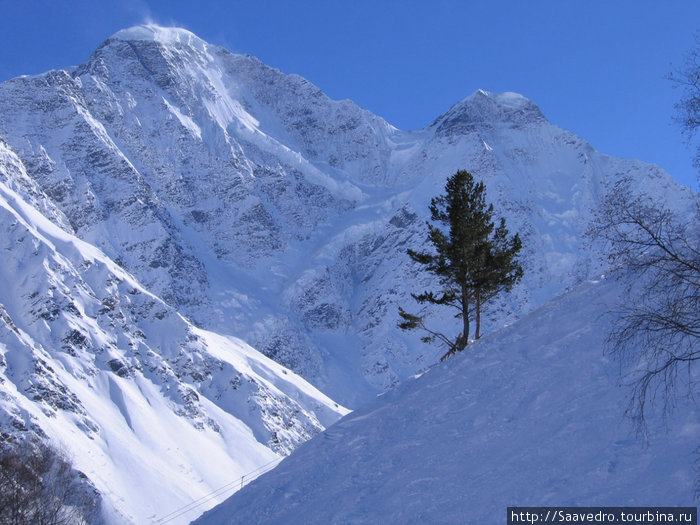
x: 155, y: 411
x: 531, y: 416
x: 167, y: 204
x: 256, y: 206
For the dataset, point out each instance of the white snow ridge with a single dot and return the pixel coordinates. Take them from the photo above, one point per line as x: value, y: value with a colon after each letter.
x: 202, y: 261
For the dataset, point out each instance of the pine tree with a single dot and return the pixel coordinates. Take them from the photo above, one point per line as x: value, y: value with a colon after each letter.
x: 501, y: 270
x: 473, y: 259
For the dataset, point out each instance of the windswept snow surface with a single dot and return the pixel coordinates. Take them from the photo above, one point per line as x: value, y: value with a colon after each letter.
x: 529, y: 416
x: 162, y: 35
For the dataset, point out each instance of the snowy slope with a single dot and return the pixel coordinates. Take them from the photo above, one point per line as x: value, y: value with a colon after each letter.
x: 155, y: 412
x: 529, y: 416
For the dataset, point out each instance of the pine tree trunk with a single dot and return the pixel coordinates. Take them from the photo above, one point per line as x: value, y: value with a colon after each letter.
x: 477, y: 335
x: 465, y: 318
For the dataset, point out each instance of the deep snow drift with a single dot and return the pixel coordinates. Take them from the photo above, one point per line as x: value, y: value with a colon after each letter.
x: 529, y: 416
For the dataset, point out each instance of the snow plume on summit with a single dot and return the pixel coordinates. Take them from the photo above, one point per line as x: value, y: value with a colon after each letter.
x: 170, y: 209
x: 164, y: 35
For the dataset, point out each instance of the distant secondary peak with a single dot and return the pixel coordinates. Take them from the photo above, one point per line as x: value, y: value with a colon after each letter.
x: 485, y: 109
x: 163, y: 35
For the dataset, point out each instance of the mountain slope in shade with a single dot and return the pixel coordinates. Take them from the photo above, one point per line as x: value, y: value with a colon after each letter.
x: 529, y: 416
x: 256, y: 206
x: 155, y: 412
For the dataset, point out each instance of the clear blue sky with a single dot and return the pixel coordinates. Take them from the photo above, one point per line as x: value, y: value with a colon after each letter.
x: 594, y: 67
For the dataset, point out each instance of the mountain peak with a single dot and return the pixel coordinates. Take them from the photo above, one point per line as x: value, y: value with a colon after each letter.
x: 506, y: 99
x: 483, y: 108
x: 163, y: 35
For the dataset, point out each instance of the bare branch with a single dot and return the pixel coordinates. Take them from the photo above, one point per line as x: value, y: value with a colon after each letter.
x: 657, y: 328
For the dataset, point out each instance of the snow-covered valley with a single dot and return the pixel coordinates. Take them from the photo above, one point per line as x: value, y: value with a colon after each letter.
x: 203, y: 259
